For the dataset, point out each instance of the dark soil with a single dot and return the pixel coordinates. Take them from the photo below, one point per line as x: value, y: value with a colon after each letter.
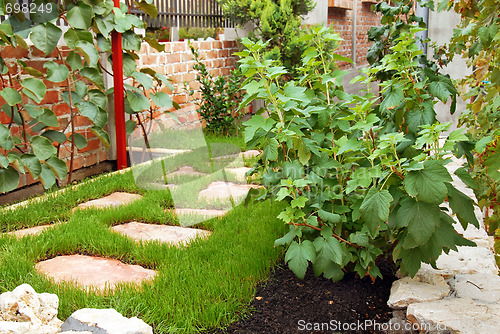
x: 285, y: 304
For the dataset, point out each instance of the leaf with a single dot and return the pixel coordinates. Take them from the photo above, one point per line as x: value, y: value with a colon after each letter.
x: 334, y: 272
x: 47, y: 177
x: 352, y: 144
x: 327, y: 249
x: 55, y: 72
x: 93, y: 75
x: 80, y: 16
x: 32, y: 164
x: 103, y: 135
x: 4, y: 162
x: 392, y: 98
x: 420, y: 220
x: 9, y: 179
x: 74, y: 60
x: 298, y: 255
x: 80, y: 141
x: 440, y: 90
x: 48, y: 118
x: 73, y: 36
x: 329, y: 217
x: 462, y: 206
x: 105, y: 25
x: 299, y: 202
x: 11, y: 96
x: 137, y: 101
x: 130, y: 41
x: 270, y: 152
x: 417, y: 117
x: 89, y: 52
x: 130, y: 126
x: 162, y: 100
x: 42, y: 147
x: 428, y: 184
x: 54, y: 135
x: 58, y: 167
x: 145, y: 80
x: 287, y: 238
x: 45, y: 37
x: 129, y: 65
x: 34, y: 89
x: 147, y: 8
x: 375, y: 208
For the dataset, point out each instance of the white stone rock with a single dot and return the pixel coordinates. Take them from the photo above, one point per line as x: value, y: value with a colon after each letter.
x: 105, y: 321
x: 483, y: 288
x: 29, y: 312
x: 12, y: 327
x: 468, y: 260
x: 407, y: 290
x: 458, y: 315
x: 75, y: 332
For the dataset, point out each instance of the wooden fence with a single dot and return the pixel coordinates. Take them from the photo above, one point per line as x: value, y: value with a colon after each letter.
x: 187, y: 13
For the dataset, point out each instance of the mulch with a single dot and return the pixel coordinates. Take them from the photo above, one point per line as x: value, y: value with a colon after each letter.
x: 285, y: 304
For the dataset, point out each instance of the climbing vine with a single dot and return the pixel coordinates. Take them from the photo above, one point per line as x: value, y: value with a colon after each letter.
x: 32, y: 139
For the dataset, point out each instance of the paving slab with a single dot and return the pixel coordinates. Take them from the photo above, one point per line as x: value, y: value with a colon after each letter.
x: 424, y: 288
x: 455, y: 315
x: 175, y: 235
x: 36, y: 230
x: 114, y: 200
x: 220, y: 190
x: 250, y: 154
x: 239, y: 173
x: 93, y: 272
x: 484, y: 288
x: 185, y: 170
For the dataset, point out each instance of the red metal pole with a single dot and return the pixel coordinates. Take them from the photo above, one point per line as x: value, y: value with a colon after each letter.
x: 121, y: 137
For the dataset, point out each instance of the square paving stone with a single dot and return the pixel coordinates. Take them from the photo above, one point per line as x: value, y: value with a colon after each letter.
x: 114, y: 200
x: 220, y: 190
x: 96, y: 272
x: 164, y: 233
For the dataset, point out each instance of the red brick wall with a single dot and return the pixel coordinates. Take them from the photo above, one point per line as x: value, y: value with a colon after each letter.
x: 176, y: 62
x: 341, y: 19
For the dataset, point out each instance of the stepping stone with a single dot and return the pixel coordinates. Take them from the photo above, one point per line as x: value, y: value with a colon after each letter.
x: 114, y: 200
x: 239, y: 173
x: 455, y: 315
x: 31, y: 231
x: 207, y: 213
x: 93, y: 272
x: 185, y: 170
x: 250, y: 154
x: 175, y: 235
x: 220, y: 190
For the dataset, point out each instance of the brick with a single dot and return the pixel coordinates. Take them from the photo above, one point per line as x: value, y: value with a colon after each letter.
x: 176, y: 78
x: 149, y: 59
x: 4, y: 119
x: 144, y: 48
x: 205, y: 45
x: 37, y: 53
x: 225, y: 71
x: 61, y: 109
x: 91, y: 159
x: 103, y: 156
x: 168, y: 47
x: 189, y: 77
x: 217, y: 63
x: 14, y: 53
x: 93, y: 144
x: 51, y: 97
x: 212, y: 54
x: 180, y: 99
x: 228, y: 44
x: 179, y: 46
x: 180, y: 68
x: 186, y: 57
x: 37, y: 65
x: 173, y: 58
x: 216, y: 45
x: 81, y: 121
x: 78, y: 163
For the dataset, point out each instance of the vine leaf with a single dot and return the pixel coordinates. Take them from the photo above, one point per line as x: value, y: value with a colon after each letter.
x: 34, y: 89
x: 375, y: 208
x: 462, y: 206
x: 298, y: 255
x: 42, y: 147
x: 45, y: 37
x: 80, y: 16
x: 9, y: 179
x: 55, y: 72
x: 58, y: 167
x: 11, y: 96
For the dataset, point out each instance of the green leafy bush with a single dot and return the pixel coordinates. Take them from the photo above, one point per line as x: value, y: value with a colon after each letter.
x: 195, y: 33
x: 220, y: 97
x: 278, y: 22
x: 356, y: 188
x: 26, y: 142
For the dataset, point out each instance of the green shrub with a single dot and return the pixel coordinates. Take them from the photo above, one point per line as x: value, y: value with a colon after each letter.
x: 356, y: 190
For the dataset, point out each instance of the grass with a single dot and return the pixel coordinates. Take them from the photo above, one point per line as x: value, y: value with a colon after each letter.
x: 206, y: 285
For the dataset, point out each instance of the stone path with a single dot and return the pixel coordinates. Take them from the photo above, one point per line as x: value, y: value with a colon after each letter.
x: 96, y: 272
x: 461, y: 296
x: 103, y: 273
